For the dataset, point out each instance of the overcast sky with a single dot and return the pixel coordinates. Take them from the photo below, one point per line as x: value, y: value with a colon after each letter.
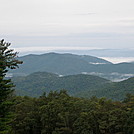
x: 67, y: 24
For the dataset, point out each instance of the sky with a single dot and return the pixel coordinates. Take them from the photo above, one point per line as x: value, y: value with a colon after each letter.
x: 67, y: 24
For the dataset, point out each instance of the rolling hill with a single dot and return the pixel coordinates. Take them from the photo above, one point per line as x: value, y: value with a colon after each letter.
x: 114, y: 90
x: 64, y: 64
x: 39, y: 82
x: 70, y: 64
x: 77, y: 85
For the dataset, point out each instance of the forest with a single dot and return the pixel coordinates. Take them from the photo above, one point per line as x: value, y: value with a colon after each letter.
x: 81, y: 85
x: 57, y: 112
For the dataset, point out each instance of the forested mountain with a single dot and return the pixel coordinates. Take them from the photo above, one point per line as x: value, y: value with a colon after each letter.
x: 37, y: 83
x: 114, y: 90
x: 70, y: 64
x: 63, y: 64
x: 77, y: 85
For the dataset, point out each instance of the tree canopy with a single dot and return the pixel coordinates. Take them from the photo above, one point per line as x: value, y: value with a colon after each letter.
x: 59, y: 113
x: 7, y: 61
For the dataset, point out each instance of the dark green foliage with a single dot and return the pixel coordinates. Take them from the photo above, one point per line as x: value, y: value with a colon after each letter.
x: 115, y: 90
x: 26, y: 118
x: 77, y: 85
x: 37, y: 83
x: 58, y: 113
x: 7, y: 60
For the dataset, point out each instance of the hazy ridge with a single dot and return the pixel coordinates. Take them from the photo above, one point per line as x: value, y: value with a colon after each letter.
x: 70, y: 64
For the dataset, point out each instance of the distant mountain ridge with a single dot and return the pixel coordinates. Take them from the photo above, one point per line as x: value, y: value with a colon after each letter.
x: 63, y: 64
x: 70, y: 64
x: 77, y: 85
x: 126, y: 52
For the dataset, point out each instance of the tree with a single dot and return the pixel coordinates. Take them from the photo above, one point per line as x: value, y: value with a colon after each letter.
x: 26, y: 116
x: 7, y: 61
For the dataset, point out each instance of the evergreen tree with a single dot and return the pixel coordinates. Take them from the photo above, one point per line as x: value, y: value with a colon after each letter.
x: 7, y: 61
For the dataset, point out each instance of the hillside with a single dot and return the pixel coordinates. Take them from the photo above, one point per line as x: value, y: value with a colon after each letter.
x: 77, y: 85
x: 64, y: 64
x: 115, y: 90
x: 70, y: 64
x: 37, y: 83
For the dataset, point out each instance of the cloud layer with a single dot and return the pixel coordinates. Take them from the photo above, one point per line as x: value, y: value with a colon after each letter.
x: 89, y: 23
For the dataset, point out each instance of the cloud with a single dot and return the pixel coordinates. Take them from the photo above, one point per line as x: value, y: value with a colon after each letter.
x: 119, y: 59
x: 126, y: 20
x: 83, y: 14
x: 53, y: 48
x: 68, y: 22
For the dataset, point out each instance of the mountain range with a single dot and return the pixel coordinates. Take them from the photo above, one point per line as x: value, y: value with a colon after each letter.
x: 80, y: 85
x: 126, y: 52
x: 37, y: 83
x: 70, y: 64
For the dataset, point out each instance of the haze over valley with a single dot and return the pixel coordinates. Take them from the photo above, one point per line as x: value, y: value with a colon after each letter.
x: 69, y: 64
